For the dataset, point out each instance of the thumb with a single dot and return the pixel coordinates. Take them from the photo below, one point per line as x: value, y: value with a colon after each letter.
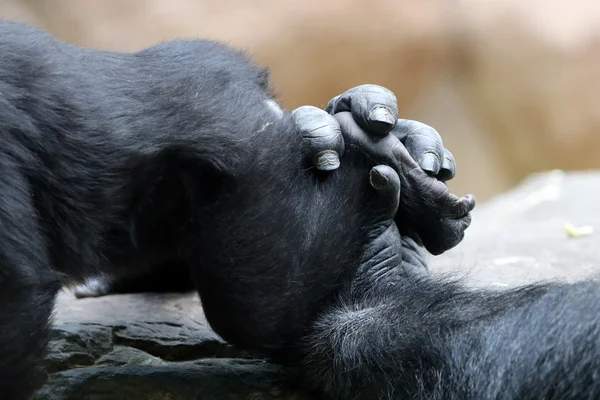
x: 387, y: 184
x: 323, y: 143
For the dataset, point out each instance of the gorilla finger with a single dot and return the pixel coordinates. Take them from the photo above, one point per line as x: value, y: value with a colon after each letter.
x: 387, y: 183
x: 457, y: 208
x: 423, y: 143
x: 446, y: 204
x: 446, y: 236
x: 448, y: 169
x: 374, y: 108
x: 323, y: 143
x: 435, y: 196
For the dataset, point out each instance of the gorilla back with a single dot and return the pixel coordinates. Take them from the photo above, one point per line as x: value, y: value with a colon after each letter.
x: 104, y: 158
x: 87, y: 137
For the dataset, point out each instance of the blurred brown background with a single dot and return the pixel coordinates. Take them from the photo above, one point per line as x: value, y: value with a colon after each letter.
x: 512, y: 85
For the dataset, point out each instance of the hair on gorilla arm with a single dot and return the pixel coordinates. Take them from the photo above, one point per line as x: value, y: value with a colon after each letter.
x: 431, y: 337
x: 392, y: 333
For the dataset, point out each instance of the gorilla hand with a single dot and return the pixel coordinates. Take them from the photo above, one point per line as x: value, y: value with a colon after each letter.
x: 436, y: 216
x: 375, y: 110
x: 385, y: 259
x: 367, y: 114
x: 382, y: 256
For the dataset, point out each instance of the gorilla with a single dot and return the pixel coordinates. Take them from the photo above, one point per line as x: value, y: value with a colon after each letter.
x: 116, y: 163
x: 300, y: 230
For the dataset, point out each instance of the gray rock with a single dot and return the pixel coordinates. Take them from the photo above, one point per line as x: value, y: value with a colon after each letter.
x: 519, y: 237
x: 155, y: 347
x: 150, y: 346
x: 210, y: 379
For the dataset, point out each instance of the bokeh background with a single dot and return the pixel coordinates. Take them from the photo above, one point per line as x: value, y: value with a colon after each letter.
x: 512, y: 85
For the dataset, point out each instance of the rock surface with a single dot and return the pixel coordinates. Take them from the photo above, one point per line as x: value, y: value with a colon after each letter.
x: 519, y: 237
x: 150, y: 347
x: 159, y: 347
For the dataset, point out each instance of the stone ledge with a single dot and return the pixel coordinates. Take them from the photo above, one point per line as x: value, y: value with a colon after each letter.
x: 150, y: 346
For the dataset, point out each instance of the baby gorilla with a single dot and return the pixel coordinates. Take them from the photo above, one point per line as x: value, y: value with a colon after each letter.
x: 115, y: 162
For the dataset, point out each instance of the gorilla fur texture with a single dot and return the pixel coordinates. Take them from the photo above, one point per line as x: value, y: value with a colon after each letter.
x: 113, y: 163
x: 116, y: 163
x: 103, y: 158
x: 432, y: 338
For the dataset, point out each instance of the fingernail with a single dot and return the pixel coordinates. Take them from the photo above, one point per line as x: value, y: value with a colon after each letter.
x: 429, y: 163
x: 378, y: 180
x: 382, y: 115
x: 327, y: 160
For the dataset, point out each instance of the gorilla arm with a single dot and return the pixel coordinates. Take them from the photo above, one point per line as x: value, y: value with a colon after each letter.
x: 388, y: 334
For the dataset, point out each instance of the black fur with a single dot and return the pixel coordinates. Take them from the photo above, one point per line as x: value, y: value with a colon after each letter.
x: 104, y: 158
x: 430, y: 338
x: 115, y: 163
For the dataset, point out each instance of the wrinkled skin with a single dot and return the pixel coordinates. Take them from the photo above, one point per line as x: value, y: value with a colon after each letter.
x: 428, y: 209
x: 390, y: 333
